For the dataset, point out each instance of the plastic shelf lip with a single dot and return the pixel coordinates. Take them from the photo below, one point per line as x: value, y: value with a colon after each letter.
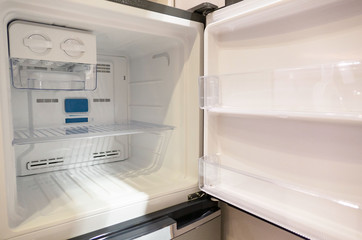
x: 28, y: 136
x: 323, y: 116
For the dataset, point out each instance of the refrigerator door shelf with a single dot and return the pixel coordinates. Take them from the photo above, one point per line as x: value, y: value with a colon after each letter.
x: 315, y: 214
x: 39, y: 135
x: 323, y: 92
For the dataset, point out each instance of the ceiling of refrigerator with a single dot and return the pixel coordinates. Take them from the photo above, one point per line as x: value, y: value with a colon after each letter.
x: 132, y: 44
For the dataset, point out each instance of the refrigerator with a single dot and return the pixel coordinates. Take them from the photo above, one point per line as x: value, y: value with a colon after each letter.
x: 114, y: 116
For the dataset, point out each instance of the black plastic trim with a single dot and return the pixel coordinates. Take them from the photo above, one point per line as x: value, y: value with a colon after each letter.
x: 160, y: 8
x: 138, y: 230
x: 204, y: 8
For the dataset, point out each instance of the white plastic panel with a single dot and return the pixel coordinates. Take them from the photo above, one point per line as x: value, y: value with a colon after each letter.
x: 257, y: 35
x: 29, y: 40
x: 281, y: 95
x: 60, y: 155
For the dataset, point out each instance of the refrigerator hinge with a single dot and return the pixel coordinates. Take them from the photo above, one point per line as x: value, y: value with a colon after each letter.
x: 203, y: 8
x: 196, y: 195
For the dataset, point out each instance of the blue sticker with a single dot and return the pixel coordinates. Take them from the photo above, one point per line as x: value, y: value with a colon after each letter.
x: 76, y: 120
x: 78, y: 105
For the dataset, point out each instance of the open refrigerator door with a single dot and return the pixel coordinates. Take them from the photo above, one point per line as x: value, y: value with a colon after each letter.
x: 282, y: 101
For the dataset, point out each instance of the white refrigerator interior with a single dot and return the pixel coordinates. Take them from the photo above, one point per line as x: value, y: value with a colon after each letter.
x: 282, y: 95
x: 99, y: 122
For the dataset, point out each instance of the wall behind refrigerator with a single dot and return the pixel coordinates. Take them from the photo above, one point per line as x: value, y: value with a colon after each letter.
x: 182, y: 4
x: 237, y: 225
x: 187, y: 4
x: 170, y: 3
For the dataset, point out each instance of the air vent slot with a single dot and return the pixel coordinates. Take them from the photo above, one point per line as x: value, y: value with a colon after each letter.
x: 106, y: 154
x: 47, y: 100
x: 101, y: 100
x: 103, y: 68
x: 45, y: 163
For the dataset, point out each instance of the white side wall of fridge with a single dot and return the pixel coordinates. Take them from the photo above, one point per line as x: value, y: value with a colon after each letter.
x: 73, y: 158
x: 282, y: 100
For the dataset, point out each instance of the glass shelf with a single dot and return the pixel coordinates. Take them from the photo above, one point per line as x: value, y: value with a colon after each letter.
x: 327, y: 91
x: 38, y: 135
x: 293, y: 207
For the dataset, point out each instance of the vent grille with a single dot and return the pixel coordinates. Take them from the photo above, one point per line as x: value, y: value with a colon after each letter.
x: 107, y: 154
x: 103, y: 68
x: 45, y: 163
x: 47, y: 100
x: 101, y: 100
